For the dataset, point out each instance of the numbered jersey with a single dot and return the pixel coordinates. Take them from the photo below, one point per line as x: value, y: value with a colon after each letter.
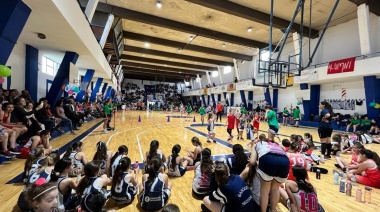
x: 295, y: 159
x: 123, y: 192
x: 307, y: 202
x: 35, y: 176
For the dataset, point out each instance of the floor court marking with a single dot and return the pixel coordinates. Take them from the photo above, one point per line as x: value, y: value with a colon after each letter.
x: 118, y: 133
x: 139, y: 145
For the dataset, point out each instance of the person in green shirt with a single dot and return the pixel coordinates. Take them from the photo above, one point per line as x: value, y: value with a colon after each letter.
x: 171, y: 107
x: 107, y: 115
x: 188, y: 111
x: 296, y: 116
x: 354, y: 123
x: 285, y: 115
x: 366, y: 124
x: 271, y: 116
x: 202, y: 112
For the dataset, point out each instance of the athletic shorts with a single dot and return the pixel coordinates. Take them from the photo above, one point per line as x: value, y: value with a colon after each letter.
x: 273, y: 167
x: 296, y: 119
x: 182, y: 170
x: 273, y: 129
x: 285, y: 116
x: 367, y: 181
x: 241, y: 129
x: 324, y: 132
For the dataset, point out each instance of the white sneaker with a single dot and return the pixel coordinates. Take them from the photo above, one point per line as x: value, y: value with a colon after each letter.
x: 106, y: 131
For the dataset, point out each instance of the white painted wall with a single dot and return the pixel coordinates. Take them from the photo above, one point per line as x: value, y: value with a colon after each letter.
x: 17, y: 63
x: 287, y: 97
x: 355, y: 90
x: 42, y: 77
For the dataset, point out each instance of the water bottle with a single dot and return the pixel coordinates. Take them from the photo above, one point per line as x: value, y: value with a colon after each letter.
x: 348, y: 188
x: 353, y: 180
x: 318, y: 174
x: 336, y: 178
x: 359, y: 195
x: 342, y: 185
x: 367, y: 195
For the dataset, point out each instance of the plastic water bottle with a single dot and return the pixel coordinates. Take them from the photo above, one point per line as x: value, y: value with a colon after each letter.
x: 348, y: 188
x: 367, y: 195
x: 353, y: 180
x: 318, y: 174
x: 342, y: 185
x: 336, y: 178
x: 359, y: 195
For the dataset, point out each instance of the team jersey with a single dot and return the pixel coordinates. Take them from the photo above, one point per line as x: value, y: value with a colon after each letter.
x: 123, y: 192
x: 210, y: 126
x: 77, y: 163
x: 35, y: 165
x: 154, y: 196
x: 175, y: 170
x: 202, y: 111
x: 115, y: 163
x: 230, y: 121
x: 201, y: 182
x: 241, y: 123
x: 63, y: 198
x: 256, y: 123
x: 94, y: 186
x: 35, y: 176
x: 235, y: 195
x: 295, y: 159
x: 189, y: 109
x: 272, y: 119
x: 307, y: 202
x: 310, y: 157
x: 372, y: 176
x: 354, y: 159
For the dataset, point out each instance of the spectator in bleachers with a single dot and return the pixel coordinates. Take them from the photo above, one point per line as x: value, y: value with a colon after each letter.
x: 5, y: 119
x: 60, y: 112
x: 42, y: 116
x: 71, y: 113
x: 13, y: 93
x: 366, y: 124
x: 25, y: 94
x: 19, y: 113
x: 354, y: 122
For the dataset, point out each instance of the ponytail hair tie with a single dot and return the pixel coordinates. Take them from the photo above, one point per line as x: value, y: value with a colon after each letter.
x: 301, y: 181
x: 40, y: 182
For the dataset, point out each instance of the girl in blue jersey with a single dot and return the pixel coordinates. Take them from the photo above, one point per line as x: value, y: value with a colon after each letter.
x: 232, y: 194
x: 122, y: 152
x: 103, y: 156
x: 45, y: 170
x: 65, y: 184
x: 239, y: 161
x: 124, y: 183
x: 91, y: 182
x: 325, y: 129
x: 155, y: 187
x: 33, y: 162
x: 79, y: 158
x: 178, y: 164
x: 153, y: 152
x: 196, y: 154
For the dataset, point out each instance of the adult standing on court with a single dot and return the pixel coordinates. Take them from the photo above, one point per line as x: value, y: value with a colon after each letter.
x: 219, y: 112
x: 325, y: 129
x: 271, y: 116
x: 202, y: 112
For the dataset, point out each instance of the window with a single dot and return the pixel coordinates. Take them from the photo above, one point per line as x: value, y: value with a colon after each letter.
x: 227, y: 69
x: 49, y: 66
x: 264, y: 56
x: 214, y: 74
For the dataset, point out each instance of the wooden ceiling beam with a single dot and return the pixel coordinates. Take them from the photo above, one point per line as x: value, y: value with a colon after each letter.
x: 130, y: 69
x: 175, y: 56
x: 163, y: 68
x: 168, y: 62
x: 179, y: 45
x: 241, y: 11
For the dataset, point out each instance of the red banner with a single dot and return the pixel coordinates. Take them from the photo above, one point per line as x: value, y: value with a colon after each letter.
x: 341, y: 66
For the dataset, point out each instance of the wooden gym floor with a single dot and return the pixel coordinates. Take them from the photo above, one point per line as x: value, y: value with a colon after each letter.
x: 156, y: 126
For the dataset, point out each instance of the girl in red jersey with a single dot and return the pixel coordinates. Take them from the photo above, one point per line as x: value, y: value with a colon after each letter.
x: 354, y: 163
x: 230, y: 124
x: 256, y: 124
x: 295, y: 158
x: 371, y: 166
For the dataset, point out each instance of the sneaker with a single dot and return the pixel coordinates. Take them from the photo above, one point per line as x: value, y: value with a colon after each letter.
x: 106, y: 131
x: 208, y: 141
x: 327, y: 157
x: 214, y: 141
x: 14, y: 151
x: 337, y: 166
x: 242, y: 139
x: 6, y: 154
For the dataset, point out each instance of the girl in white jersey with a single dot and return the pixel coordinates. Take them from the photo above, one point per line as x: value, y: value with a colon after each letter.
x: 273, y: 170
x: 103, y: 156
x: 154, y: 151
x: 122, y: 151
x: 302, y: 195
x: 79, y: 158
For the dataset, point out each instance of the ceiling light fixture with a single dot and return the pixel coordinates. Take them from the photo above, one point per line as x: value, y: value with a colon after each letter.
x: 171, y: 59
x: 143, y: 55
x: 158, y: 4
x: 224, y: 45
x: 146, y: 44
x: 249, y: 29
x: 165, y: 65
x: 191, y: 38
x: 195, y: 62
x: 179, y: 50
x: 41, y: 36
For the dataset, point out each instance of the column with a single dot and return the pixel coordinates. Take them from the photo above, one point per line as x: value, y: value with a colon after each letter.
x: 208, y: 77
x: 204, y: 100
x: 305, y: 103
x: 199, y: 81
x: 31, y: 71
x: 220, y: 75
x: 14, y: 15
x: 232, y: 100
x: 104, y: 90
x: 195, y: 101
x: 243, y: 99
x: 219, y: 97
x: 250, y: 100
x: 61, y: 78
x: 95, y: 89
x: 108, y: 93
x: 236, y: 70
x: 275, y: 99
x: 213, y: 100
x: 364, y: 23
x: 226, y: 98
x: 371, y: 88
x: 90, y: 9
x: 296, y: 43
x: 267, y: 96
x: 106, y: 31
x: 315, y: 93
x: 84, y: 84
x: 208, y: 99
